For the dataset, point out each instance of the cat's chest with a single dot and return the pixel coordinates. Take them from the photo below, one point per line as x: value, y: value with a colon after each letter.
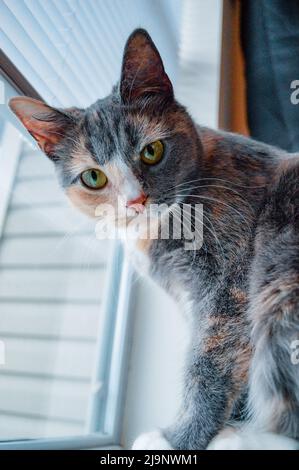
x: 138, y: 243
x: 138, y: 252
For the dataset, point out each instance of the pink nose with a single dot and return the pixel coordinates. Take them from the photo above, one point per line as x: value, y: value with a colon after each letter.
x: 138, y: 203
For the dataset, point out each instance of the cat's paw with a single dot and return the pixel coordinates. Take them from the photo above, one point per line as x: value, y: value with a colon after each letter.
x: 151, y: 441
x: 230, y: 439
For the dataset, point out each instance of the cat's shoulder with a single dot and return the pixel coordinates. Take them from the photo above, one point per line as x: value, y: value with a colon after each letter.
x: 281, y: 208
x: 239, y: 145
x: 288, y: 167
x: 286, y: 181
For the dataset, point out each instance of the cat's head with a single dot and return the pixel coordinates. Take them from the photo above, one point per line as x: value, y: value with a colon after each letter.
x: 133, y: 148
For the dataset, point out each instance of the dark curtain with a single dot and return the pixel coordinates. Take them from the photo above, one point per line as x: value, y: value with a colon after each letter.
x: 270, y: 41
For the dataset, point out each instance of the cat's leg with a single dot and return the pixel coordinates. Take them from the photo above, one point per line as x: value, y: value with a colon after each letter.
x: 205, y: 410
x: 215, y: 376
x: 206, y: 407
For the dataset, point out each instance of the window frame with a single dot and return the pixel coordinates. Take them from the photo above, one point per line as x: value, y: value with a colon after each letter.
x: 117, y: 315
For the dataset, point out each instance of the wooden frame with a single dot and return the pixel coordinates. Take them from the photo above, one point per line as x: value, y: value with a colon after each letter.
x: 232, y: 100
x: 14, y: 76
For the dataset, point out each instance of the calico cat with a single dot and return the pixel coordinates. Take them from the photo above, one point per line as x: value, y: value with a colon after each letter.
x: 240, y: 290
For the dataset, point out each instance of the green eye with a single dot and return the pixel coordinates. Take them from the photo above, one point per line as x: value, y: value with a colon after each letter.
x: 94, y: 179
x: 152, y: 153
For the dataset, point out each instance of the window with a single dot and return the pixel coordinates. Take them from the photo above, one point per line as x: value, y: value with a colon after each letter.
x: 64, y: 295
x: 62, y: 318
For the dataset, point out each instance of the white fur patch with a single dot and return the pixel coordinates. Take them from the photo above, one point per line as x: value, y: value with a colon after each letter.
x: 230, y: 439
x: 151, y: 441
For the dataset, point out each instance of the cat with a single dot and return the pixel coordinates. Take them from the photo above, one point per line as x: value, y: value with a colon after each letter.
x: 239, y: 291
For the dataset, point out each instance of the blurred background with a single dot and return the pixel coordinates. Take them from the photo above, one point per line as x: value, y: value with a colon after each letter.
x: 91, y: 355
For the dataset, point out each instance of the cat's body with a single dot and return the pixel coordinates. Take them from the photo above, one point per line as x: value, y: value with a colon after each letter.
x: 219, y: 296
x: 240, y: 290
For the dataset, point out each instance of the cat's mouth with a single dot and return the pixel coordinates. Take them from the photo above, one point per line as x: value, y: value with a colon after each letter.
x: 138, y: 204
x: 138, y: 211
x: 150, y: 210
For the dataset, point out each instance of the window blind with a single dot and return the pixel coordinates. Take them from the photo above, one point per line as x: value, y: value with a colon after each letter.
x: 53, y: 279
x: 71, y: 50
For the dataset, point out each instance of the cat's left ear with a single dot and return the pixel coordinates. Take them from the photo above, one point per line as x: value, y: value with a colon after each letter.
x: 143, y: 72
x: 46, y: 124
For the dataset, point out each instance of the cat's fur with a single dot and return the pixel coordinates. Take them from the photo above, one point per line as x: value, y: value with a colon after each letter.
x: 240, y: 290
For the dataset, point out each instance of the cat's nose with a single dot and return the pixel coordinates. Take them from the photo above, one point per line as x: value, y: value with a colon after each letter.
x: 137, y: 203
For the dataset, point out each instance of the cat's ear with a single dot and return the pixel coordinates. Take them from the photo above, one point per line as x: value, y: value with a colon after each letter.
x: 142, y: 69
x: 46, y: 124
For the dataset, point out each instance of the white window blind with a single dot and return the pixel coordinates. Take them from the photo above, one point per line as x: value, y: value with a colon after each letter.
x: 54, y: 311
x: 71, y: 50
x: 63, y: 295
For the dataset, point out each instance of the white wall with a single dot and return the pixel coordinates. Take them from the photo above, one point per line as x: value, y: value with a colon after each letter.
x: 159, y: 331
x: 154, y: 385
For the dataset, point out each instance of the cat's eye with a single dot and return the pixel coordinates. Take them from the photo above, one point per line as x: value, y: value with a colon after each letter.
x: 93, y: 179
x: 152, y: 153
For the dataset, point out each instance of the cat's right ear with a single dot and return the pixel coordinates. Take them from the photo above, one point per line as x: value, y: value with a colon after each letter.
x: 46, y: 124
x: 143, y: 72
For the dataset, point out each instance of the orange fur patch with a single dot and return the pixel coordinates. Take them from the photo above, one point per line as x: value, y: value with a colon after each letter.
x: 239, y: 295
x: 84, y: 200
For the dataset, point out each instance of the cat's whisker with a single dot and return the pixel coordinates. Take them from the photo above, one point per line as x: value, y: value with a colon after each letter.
x: 177, y: 216
x: 213, y: 186
x: 210, y: 230
x: 220, y: 187
x: 208, y: 198
x: 233, y: 183
x: 216, y: 237
x: 220, y: 222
